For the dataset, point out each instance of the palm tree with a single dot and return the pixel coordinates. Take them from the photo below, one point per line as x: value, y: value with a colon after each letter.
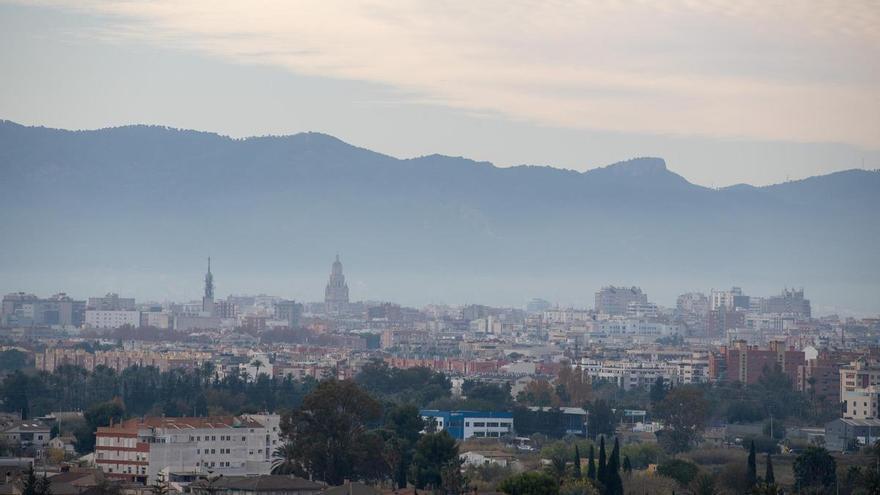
x: 256, y: 363
x: 284, y: 459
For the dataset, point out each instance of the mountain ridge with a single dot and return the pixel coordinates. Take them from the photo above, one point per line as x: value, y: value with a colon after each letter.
x: 136, y: 203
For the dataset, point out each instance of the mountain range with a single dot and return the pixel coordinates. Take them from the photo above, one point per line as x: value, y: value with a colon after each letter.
x: 137, y: 209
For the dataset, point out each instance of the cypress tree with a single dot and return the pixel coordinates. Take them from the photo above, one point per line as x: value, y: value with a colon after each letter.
x: 769, y: 477
x: 752, y: 474
x: 627, y: 465
x: 600, y: 471
x: 613, y: 482
x: 591, y: 465
x: 577, y: 462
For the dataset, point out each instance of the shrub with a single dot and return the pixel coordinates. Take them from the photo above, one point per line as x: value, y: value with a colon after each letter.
x: 678, y: 469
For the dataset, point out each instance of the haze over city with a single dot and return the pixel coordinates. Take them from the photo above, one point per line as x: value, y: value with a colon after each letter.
x: 333, y: 247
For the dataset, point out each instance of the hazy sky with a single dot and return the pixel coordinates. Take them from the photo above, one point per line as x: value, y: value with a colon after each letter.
x: 727, y: 92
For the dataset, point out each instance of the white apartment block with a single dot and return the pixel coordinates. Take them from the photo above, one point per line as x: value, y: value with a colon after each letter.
x: 112, y: 319
x: 860, y: 389
x: 723, y: 299
x: 139, y: 449
x: 631, y: 374
x: 631, y: 327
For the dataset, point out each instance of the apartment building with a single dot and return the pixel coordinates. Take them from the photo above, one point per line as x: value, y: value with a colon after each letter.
x: 139, y: 449
x: 860, y: 389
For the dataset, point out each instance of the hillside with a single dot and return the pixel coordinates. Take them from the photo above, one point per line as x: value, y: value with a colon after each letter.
x: 137, y: 209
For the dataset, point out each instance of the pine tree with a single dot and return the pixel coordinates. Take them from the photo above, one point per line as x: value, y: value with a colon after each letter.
x: 591, y: 466
x: 600, y: 471
x: 752, y: 474
x: 769, y: 477
x: 627, y: 465
x: 577, y: 463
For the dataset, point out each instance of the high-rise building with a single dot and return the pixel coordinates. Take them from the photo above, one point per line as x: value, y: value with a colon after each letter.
x: 208, y: 298
x: 860, y: 389
x: 615, y: 300
x: 336, y: 292
x: 289, y: 311
x: 111, y: 302
x: 790, y: 302
x: 28, y: 310
x: 726, y: 299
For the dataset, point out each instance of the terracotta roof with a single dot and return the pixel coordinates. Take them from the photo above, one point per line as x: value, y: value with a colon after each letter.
x: 267, y: 483
x: 355, y: 488
x: 184, y: 423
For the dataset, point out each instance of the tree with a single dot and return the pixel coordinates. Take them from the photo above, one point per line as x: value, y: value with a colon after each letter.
x: 601, y: 419
x: 678, y: 469
x: 815, y: 468
x: 578, y: 487
x: 35, y: 486
x: 577, y: 462
x: 530, y: 483
x: 658, y: 390
x: 704, y: 484
x: 613, y: 483
x: 558, y: 463
x: 285, y: 459
x: 98, y: 415
x: 539, y: 393
x: 684, y: 411
x: 591, y: 465
x: 600, y: 471
x: 404, y: 424
x: 627, y: 465
x: 752, y: 472
x: 328, y: 432
x: 452, y: 481
x: 575, y: 383
x: 434, y: 451
x: 769, y: 477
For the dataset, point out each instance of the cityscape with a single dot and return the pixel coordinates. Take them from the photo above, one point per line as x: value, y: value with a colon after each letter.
x: 373, y: 247
x: 508, y: 385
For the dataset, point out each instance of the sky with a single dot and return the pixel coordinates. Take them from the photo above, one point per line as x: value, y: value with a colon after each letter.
x: 727, y: 92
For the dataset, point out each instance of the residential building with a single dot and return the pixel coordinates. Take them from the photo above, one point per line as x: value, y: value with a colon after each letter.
x: 288, y: 311
x: 726, y: 299
x: 28, y: 433
x: 27, y: 310
x: 747, y: 363
x: 860, y: 389
x: 613, y: 300
x: 111, y: 302
x: 112, y: 319
x: 789, y: 302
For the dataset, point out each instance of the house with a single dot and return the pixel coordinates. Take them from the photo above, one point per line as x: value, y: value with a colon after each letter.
x: 67, y: 444
x: 478, y: 458
x: 269, y: 484
x: 27, y: 434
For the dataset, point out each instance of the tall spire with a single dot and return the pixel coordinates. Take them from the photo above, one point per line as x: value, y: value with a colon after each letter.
x: 336, y: 292
x: 209, y: 282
